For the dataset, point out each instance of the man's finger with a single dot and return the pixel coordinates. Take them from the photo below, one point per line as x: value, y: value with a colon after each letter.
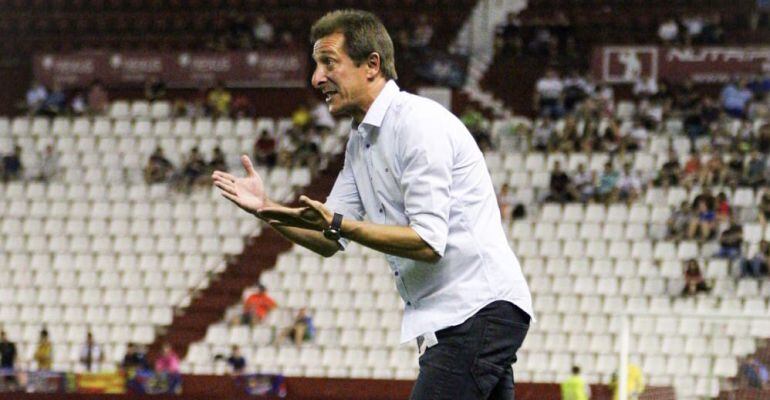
x: 248, y: 166
x: 309, y: 202
x: 223, y: 175
x: 225, y: 187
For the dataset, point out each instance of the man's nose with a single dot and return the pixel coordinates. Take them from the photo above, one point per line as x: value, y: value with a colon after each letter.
x: 318, y: 78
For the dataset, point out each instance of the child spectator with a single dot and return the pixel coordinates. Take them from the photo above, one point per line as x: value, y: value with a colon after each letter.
x: 694, y: 282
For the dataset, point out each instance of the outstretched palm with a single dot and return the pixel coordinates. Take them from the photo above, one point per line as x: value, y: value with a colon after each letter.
x: 247, y: 192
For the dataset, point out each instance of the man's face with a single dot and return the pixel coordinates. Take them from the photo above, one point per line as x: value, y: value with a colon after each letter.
x: 337, y: 77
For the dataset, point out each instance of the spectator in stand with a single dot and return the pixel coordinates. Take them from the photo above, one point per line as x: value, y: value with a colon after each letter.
x: 608, y: 184
x: 236, y: 361
x: 300, y: 331
x: 43, y: 355
x: 218, y: 162
x: 693, y: 279
x: 8, y: 358
x: 78, y: 104
x: 731, y: 241
x: 692, y: 170
x: 98, y: 100
x: 218, y: 100
x: 735, y: 99
x: 257, y: 306
x: 506, y: 201
x: 712, y: 32
x: 668, y: 31
x: 134, y: 358
x: 753, y: 373
x: 158, y: 168
x: 576, y: 90
x: 263, y: 31
x: 560, y: 187
x: 764, y: 207
x: 575, y: 387
x: 49, y: 164
x: 422, y: 33
x: 568, y: 139
x: 693, y: 32
x: 630, y: 184
x: 477, y: 125
x: 584, y: 182
x: 193, y: 169
x: 723, y: 210
x: 154, y: 89
x: 307, y: 151
x: 637, y: 138
x: 242, y: 106
x: 544, y: 135
x: 714, y: 171
x: 757, y: 266
x: 90, y: 353
x: 679, y: 220
x: 645, y: 87
x: 508, y: 36
x: 671, y: 171
x: 756, y: 171
x: 265, y: 152
x: 301, y: 118
x: 36, y: 95
x: 703, y: 222
x: 548, y: 95
x: 168, y: 362
x: 12, y: 168
x: 55, y: 103
x: 734, y: 171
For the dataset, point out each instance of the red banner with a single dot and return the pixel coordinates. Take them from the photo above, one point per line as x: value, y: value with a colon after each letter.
x: 278, y: 68
x: 626, y: 64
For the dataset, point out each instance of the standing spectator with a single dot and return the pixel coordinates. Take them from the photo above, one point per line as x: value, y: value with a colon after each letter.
x: 301, y: 330
x: 703, y: 221
x: 731, y: 242
x: 236, y: 361
x: 12, y: 167
x: 671, y: 171
x: 43, y: 352
x: 98, y: 101
x: 8, y: 358
x: 757, y: 266
x: 561, y: 190
x: 754, y: 373
x: 257, y: 306
x: 90, y: 353
x: 218, y: 100
x: 49, y: 164
x: 265, y: 152
x: 575, y: 387
x: 158, y: 168
x: 735, y: 98
x: 263, y: 31
x: 678, y: 221
x: 693, y: 279
x: 548, y: 95
x: 608, y: 183
x: 36, y: 95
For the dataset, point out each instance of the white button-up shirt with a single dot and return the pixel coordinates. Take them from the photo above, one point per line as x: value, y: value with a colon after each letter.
x: 411, y: 162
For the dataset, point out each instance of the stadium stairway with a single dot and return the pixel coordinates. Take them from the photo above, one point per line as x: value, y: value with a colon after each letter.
x: 259, y: 254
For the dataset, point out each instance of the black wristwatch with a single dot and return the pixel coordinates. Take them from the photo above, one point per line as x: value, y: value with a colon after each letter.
x: 333, y: 231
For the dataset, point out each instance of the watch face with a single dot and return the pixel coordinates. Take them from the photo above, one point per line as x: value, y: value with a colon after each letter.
x: 332, y: 234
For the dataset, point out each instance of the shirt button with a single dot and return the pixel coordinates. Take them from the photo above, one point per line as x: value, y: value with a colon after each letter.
x: 367, y: 145
x: 381, y: 210
x: 409, y: 303
x: 396, y: 273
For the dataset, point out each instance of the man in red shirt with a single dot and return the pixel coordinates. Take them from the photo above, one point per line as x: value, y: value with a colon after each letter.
x: 256, y: 306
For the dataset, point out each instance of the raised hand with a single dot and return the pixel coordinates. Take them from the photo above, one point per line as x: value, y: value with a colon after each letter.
x: 314, y: 215
x: 248, y: 192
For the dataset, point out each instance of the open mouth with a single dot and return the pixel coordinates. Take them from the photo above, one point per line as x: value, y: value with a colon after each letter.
x: 328, y: 95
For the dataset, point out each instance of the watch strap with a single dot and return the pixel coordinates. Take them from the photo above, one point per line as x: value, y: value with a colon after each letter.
x: 336, y: 222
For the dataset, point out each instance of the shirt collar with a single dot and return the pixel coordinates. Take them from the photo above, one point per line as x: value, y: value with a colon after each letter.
x: 376, y: 112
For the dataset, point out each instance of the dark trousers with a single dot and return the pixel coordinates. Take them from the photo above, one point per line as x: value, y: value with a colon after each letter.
x: 473, y: 360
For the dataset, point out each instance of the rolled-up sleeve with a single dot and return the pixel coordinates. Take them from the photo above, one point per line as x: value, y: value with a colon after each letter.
x: 426, y: 178
x: 345, y: 199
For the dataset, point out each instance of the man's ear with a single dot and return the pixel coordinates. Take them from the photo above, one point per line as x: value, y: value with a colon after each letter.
x: 373, y: 64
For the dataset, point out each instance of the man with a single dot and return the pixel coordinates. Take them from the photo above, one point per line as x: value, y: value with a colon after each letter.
x: 90, y: 353
x: 575, y: 387
x: 414, y: 171
x: 256, y: 306
x: 8, y: 358
x: 44, y: 352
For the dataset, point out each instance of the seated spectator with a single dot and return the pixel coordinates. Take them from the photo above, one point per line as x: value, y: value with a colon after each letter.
x: 692, y: 170
x: 731, y: 242
x: 714, y: 171
x: 693, y: 279
x: 154, y: 89
x: 629, y: 183
x: 257, y: 306
x: 265, y: 152
x: 300, y: 331
x: 236, y: 361
x: 8, y: 358
x: 764, y: 207
x: 134, y: 358
x: 671, y: 171
x: 218, y: 100
x: 49, y: 164
x: 301, y: 118
x: 755, y: 171
x: 509, y: 207
x: 98, y: 101
x: 678, y: 221
x: 560, y: 188
x: 55, y: 103
x: 36, y: 95
x: 608, y: 183
x: 158, y: 168
x: 90, y: 353
x: 43, y: 352
x: 576, y: 90
x: 645, y: 87
x: 723, y: 207
x: 168, y: 362
x: 193, y: 169
x: 735, y: 99
x: 584, y: 182
x: 703, y: 222
x: 734, y: 174
x: 753, y: 373
x: 218, y: 162
x: 757, y: 266
x: 548, y: 95
x: 543, y: 136
x: 12, y: 166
